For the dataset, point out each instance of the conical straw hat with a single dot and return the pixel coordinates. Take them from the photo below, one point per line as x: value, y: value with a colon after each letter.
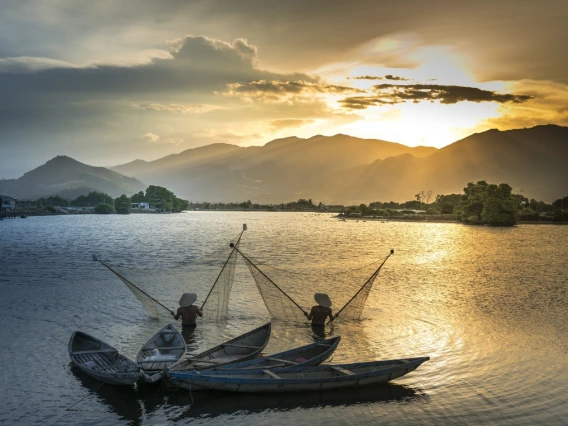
x: 323, y: 299
x: 187, y: 299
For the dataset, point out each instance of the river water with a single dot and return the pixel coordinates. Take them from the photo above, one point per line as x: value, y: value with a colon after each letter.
x: 488, y: 305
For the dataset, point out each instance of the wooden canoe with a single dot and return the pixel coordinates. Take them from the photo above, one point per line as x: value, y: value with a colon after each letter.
x: 164, y: 350
x: 242, y: 348
x: 303, y: 356
x: 319, y: 378
x: 101, y: 361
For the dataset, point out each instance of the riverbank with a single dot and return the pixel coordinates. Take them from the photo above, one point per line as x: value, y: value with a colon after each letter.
x: 438, y: 220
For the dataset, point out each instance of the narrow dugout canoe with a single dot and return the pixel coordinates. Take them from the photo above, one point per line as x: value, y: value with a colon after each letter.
x: 101, y: 361
x: 241, y: 348
x: 163, y: 350
x: 303, y: 356
x: 319, y: 378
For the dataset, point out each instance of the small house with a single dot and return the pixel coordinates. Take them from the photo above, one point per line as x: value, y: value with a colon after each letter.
x: 8, y: 203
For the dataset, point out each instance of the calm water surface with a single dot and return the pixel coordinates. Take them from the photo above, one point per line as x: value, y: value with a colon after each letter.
x: 489, y: 306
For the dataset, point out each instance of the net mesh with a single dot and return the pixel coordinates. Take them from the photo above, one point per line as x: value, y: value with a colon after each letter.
x: 354, y: 308
x: 150, y: 306
x: 216, y: 305
x: 279, y: 305
x: 210, y: 275
x: 288, y: 294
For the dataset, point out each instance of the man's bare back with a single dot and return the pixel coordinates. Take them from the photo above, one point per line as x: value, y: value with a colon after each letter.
x: 319, y: 314
x: 188, y: 314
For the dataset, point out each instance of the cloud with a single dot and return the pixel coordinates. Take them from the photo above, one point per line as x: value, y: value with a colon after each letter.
x: 150, y: 138
x: 289, y: 123
x: 392, y: 94
x: 386, y: 77
x: 173, y: 141
x: 549, y: 104
x: 26, y: 65
x: 197, y: 64
x: 284, y: 91
x: 180, y: 108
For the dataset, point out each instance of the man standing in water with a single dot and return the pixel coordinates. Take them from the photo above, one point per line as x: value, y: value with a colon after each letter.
x: 187, y: 311
x: 321, y: 312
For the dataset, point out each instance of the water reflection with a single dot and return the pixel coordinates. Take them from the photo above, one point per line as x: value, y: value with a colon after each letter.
x: 487, y: 305
x: 210, y: 403
x: 122, y: 400
x: 135, y: 404
x: 188, y: 335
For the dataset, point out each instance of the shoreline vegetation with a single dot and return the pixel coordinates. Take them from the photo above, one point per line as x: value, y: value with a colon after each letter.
x: 480, y: 204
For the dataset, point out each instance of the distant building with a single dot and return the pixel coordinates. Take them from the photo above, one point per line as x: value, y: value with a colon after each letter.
x: 143, y: 205
x: 8, y: 203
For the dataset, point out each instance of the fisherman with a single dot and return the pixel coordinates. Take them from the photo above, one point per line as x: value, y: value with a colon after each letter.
x: 187, y: 310
x: 321, y: 311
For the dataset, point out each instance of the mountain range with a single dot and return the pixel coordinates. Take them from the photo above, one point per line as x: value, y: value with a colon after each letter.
x: 69, y: 178
x: 336, y: 169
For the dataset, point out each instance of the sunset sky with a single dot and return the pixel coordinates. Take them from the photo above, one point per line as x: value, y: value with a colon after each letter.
x: 106, y: 82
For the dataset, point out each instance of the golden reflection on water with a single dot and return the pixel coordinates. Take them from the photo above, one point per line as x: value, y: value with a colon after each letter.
x: 488, y: 305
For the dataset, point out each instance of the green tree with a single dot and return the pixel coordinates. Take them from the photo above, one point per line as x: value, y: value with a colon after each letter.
x: 490, y: 204
x: 104, y: 208
x: 138, y: 198
x: 447, y: 208
x: 122, y: 204
x: 92, y: 199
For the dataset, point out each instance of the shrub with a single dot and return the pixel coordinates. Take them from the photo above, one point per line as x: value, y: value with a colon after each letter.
x: 104, y: 208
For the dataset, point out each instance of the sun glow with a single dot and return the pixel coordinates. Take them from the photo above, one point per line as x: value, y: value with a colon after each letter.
x: 412, y: 122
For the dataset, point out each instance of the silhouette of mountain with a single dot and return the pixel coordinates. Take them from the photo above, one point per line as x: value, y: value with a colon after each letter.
x: 281, y: 170
x: 336, y: 169
x: 67, y: 177
x: 532, y: 161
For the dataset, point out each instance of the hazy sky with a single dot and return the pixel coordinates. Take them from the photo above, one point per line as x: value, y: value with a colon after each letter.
x: 107, y: 82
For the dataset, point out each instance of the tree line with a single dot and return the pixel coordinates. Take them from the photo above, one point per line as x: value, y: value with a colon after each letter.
x: 158, y: 197
x: 481, y: 203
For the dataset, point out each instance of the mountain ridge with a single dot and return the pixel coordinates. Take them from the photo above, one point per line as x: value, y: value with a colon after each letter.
x: 65, y: 175
x: 341, y: 169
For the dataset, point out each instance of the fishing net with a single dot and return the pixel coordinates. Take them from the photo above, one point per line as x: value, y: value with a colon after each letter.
x: 159, y: 282
x: 288, y: 293
x: 216, y: 304
x: 279, y: 304
x: 151, y: 307
x: 353, y: 309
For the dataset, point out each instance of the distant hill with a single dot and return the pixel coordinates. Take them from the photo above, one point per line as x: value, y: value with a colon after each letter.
x: 69, y: 178
x: 282, y: 170
x: 336, y: 169
x: 533, y: 161
x: 348, y: 170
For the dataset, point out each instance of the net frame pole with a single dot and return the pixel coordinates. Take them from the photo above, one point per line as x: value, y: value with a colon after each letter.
x: 373, y: 275
x: 133, y: 285
x: 271, y: 282
x: 223, y: 268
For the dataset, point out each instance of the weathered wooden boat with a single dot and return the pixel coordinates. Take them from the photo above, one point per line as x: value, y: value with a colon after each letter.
x: 303, y: 356
x: 302, y: 379
x: 101, y: 361
x: 242, y: 348
x: 164, y: 350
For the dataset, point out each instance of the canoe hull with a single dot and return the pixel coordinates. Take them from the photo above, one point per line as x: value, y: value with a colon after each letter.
x: 314, y: 354
x: 241, y: 348
x: 171, y: 347
x: 121, y: 379
x: 109, y: 366
x: 301, y: 379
